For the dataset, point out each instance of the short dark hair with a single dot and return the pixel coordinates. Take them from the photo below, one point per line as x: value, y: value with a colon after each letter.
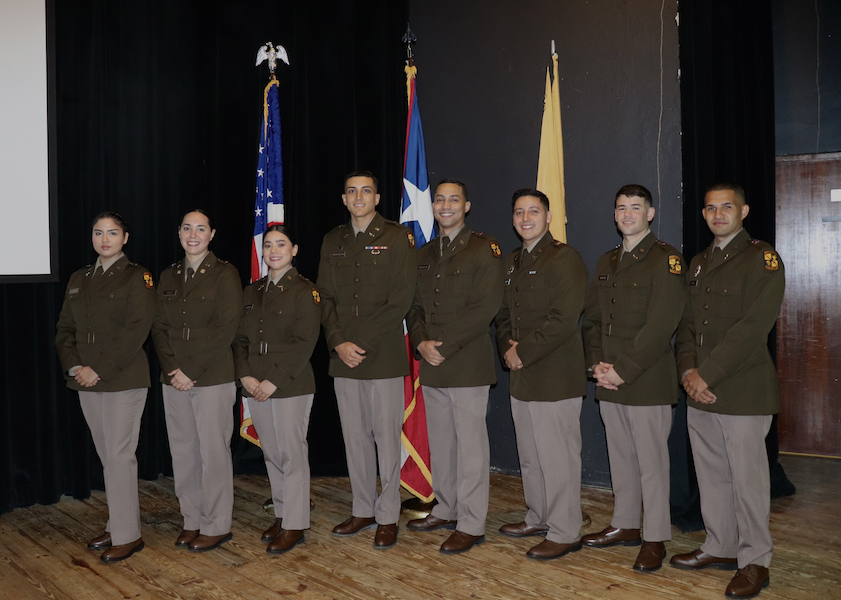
x: 201, y: 211
x: 634, y: 190
x: 724, y: 186
x: 362, y: 173
x: 284, y: 230
x: 114, y: 216
x: 544, y: 199
x: 452, y: 181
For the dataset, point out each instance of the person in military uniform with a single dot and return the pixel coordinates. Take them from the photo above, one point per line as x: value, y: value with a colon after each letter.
x: 104, y: 321
x: 459, y: 291
x: 278, y: 330
x: 633, y: 307
x: 735, y: 292
x: 365, y: 278
x: 538, y: 339
x: 199, y: 305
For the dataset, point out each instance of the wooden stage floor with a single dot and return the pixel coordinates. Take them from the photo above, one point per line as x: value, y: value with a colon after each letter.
x: 42, y: 553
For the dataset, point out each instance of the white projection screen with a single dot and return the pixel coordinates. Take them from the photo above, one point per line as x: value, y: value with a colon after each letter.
x: 26, y: 160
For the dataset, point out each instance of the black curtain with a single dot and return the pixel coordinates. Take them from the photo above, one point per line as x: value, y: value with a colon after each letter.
x: 158, y: 111
x: 727, y: 114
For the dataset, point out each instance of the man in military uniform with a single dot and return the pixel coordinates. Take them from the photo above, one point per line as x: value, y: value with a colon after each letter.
x: 735, y: 293
x: 538, y: 339
x: 366, y: 281
x: 633, y: 308
x: 459, y: 291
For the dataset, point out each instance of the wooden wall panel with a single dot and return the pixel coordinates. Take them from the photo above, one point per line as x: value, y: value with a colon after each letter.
x: 809, y: 327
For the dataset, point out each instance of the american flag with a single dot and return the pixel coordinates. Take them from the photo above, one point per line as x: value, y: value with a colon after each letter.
x: 268, y: 208
x: 268, y: 205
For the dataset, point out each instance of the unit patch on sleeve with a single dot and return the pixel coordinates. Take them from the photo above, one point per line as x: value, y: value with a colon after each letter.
x: 496, y: 250
x: 316, y: 297
x: 772, y: 261
x: 675, y: 268
x: 147, y: 277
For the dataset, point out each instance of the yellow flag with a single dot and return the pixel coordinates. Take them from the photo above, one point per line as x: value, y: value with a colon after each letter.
x: 550, y: 164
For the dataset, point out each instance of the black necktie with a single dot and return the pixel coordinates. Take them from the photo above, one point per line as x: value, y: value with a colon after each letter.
x: 445, y: 241
x: 190, y: 272
x: 98, y: 271
x: 716, y: 257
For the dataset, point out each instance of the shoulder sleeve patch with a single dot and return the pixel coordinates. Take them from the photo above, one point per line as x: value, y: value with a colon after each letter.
x: 772, y: 261
x: 497, y: 252
x: 411, y: 239
x: 147, y: 277
x: 675, y: 266
x: 316, y: 297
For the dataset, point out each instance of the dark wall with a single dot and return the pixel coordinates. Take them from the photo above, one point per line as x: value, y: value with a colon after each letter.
x: 481, y: 75
x: 807, y: 76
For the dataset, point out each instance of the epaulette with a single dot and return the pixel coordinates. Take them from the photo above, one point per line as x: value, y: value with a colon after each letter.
x: 224, y: 262
x: 558, y: 243
x: 173, y: 265
x: 304, y: 279
x: 479, y: 234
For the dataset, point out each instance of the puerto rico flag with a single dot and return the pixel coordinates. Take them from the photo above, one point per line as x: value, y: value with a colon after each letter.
x: 268, y: 207
x: 416, y: 213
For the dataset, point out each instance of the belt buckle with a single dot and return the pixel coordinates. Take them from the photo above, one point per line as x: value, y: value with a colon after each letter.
x: 185, y: 333
x: 264, y: 348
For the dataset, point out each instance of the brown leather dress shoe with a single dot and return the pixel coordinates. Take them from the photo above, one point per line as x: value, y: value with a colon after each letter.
x: 186, y: 537
x: 460, y: 542
x: 521, y: 530
x: 610, y: 536
x: 386, y: 536
x: 272, y: 532
x: 430, y: 523
x: 695, y: 560
x: 203, y: 543
x: 354, y: 525
x: 547, y: 550
x: 122, y: 551
x: 650, y: 557
x: 285, y: 541
x: 748, y: 582
x: 103, y: 542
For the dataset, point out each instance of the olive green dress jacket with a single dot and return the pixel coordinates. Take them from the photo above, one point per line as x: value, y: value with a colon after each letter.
x: 104, y: 323
x: 456, y: 298
x: 196, y: 321
x: 732, y: 308
x: 633, y: 309
x: 277, y: 334
x: 542, y: 303
x: 366, y: 288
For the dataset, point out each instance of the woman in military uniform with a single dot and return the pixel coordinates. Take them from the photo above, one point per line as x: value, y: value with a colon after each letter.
x: 199, y: 303
x: 277, y: 334
x: 105, y: 319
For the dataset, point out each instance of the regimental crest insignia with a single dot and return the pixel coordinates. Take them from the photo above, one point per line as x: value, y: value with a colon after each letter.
x: 772, y: 261
x: 675, y: 267
x: 411, y: 239
x: 316, y: 297
x: 496, y: 250
x: 147, y: 277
